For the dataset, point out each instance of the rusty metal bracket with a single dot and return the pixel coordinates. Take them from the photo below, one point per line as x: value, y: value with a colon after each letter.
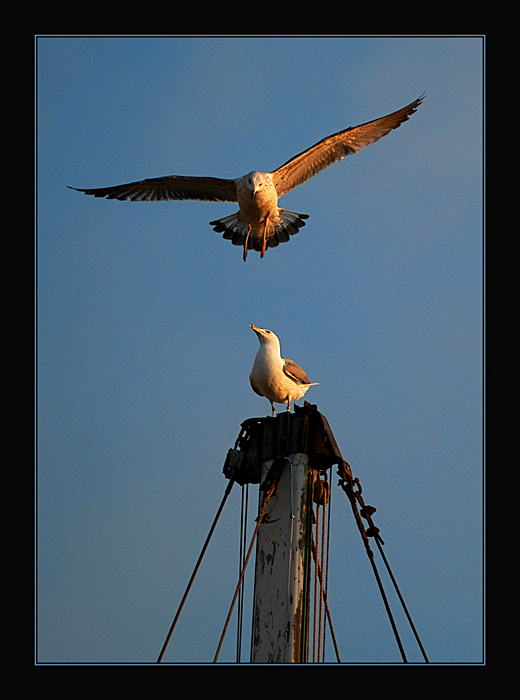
x: 261, y: 439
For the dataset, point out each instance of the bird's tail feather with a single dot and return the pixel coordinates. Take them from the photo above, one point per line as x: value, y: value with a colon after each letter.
x: 278, y: 231
x: 290, y: 223
x: 231, y: 227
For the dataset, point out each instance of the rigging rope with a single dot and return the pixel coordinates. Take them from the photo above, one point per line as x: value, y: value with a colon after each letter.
x: 353, y: 489
x: 324, y: 593
x: 324, y: 567
x: 320, y: 553
x: 320, y: 656
x: 328, y: 548
x: 347, y: 483
x: 316, y: 589
x: 270, y: 488
x: 197, y: 565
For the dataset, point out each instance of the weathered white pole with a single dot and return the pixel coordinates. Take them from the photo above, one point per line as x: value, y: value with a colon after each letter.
x: 282, y: 583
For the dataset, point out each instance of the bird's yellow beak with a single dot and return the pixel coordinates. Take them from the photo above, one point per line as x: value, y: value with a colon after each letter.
x: 257, y: 330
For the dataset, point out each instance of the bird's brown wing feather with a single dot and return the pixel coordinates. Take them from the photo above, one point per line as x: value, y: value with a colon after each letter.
x: 171, y: 187
x: 295, y: 372
x: 335, y: 147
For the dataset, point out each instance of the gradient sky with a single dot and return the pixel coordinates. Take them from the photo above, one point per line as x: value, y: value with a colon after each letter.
x: 144, y: 350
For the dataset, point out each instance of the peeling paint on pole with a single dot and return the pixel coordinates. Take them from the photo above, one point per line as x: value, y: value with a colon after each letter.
x: 294, y: 447
x: 280, y: 619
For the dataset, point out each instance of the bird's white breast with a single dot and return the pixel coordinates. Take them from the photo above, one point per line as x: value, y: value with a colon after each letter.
x: 269, y: 378
x: 258, y: 200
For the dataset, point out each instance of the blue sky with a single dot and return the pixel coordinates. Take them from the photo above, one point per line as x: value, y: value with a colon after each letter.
x: 144, y: 350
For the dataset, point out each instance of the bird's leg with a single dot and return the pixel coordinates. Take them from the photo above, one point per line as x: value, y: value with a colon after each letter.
x: 245, y: 242
x: 264, y: 241
x: 274, y: 409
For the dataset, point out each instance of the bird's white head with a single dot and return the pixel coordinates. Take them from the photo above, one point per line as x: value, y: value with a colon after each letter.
x: 255, y: 181
x: 265, y: 336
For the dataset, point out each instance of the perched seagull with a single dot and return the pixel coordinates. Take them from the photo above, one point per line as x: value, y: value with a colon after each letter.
x: 259, y: 222
x: 274, y: 377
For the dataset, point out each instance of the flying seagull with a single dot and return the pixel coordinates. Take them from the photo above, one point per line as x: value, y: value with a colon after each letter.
x: 275, y: 377
x: 259, y: 222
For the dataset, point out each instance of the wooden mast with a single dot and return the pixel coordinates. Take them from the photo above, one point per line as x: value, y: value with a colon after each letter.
x: 295, y: 447
x: 282, y: 591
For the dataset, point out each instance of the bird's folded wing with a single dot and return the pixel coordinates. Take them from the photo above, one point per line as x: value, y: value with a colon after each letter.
x: 212, y: 189
x: 335, y: 147
x: 295, y: 372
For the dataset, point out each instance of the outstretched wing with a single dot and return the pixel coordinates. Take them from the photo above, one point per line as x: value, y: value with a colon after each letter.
x: 335, y: 147
x: 211, y: 189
